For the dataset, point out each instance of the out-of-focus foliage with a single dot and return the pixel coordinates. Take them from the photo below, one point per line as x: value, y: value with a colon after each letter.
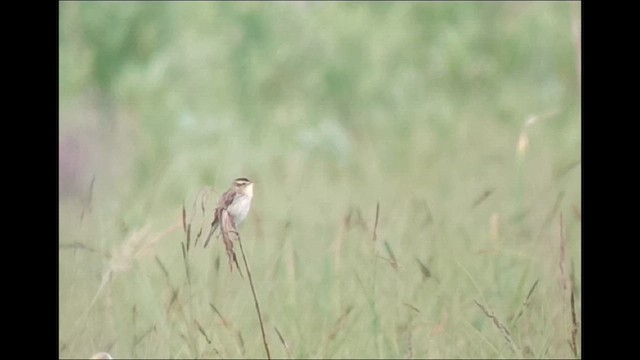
x: 330, y: 107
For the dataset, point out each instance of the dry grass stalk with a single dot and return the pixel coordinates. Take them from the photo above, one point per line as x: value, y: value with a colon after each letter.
x: 185, y: 257
x: 567, y: 283
x: 137, y: 246
x: 203, y: 200
x: 413, y: 308
x: 253, y: 291
x: 572, y: 277
x: 564, y: 277
x: 574, y: 329
x: 501, y: 327
x: 241, y: 341
x: 337, y: 326
x: 409, y: 347
x: 184, y: 218
x: 390, y: 261
x: 163, y: 268
x: 86, y: 200
x: 482, y: 198
x: 174, y: 293
x: 189, y: 344
x: 375, y: 225
x: 339, y: 323
x: 284, y: 343
x: 186, y: 264
x: 392, y: 257
x: 229, y: 326
x: 201, y: 330
x: 526, y: 301
x: 426, y: 273
x: 225, y: 323
x: 203, y: 196
x: 188, y: 236
x: 76, y: 245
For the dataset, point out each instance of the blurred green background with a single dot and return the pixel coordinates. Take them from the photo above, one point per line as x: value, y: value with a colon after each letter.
x: 461, y: 120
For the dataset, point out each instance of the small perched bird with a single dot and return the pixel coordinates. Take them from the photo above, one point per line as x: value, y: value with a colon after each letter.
x: 236, y: 202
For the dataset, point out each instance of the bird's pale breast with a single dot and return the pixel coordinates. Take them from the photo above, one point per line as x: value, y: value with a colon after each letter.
x: 240, y: 208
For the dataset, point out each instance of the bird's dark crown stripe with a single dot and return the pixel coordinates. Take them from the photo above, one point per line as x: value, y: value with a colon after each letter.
x: 242, y: 180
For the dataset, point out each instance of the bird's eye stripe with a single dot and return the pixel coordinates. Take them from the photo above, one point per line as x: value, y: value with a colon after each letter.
x: 242, y: 182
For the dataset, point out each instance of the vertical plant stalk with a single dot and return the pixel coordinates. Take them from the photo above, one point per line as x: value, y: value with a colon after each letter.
x: 574, y: 330
x: 228, y: 227
x: 284, y: 343
x: 375, y: 225
x: 526, y: 302
x: 255, y: 298
x: 501, y: 328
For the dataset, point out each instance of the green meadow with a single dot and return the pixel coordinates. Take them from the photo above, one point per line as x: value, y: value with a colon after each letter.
x: 417, y: 170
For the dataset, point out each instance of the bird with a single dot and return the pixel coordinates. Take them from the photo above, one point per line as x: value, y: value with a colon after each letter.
x: 236, y: 202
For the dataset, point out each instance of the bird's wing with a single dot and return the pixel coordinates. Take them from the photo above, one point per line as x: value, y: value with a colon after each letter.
x: 225, y: 200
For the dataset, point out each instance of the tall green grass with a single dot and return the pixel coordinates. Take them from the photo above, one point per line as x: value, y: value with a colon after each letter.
x: 395, y: 119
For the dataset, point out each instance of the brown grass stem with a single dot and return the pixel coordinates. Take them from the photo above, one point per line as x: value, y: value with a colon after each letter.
x: 501, y: 327
x: 76, y: 245
x: 526, y: 302
x: 375, y: 225
x: 86, y: 201
x: 574, y: 329
x: 284, y: 343
x: 409, y: 347
x: 255, y: 297
x: 201, y: 330
x: 565, y: 281
x: 482, y: 197
x: 224, y: 321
